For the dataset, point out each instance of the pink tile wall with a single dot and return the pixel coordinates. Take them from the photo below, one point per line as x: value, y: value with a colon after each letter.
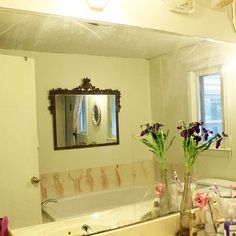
x: 69, y: 183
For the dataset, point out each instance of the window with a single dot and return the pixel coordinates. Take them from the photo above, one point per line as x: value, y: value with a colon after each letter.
x: 208, y: 101
x: 210, y: 90
x: 83, y: 117
x: 112, y: 131
x: 113, y: 116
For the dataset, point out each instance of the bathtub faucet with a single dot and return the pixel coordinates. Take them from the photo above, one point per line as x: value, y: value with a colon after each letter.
x: 44, y: 203
x: 177, y: 182
x: 87, y: 229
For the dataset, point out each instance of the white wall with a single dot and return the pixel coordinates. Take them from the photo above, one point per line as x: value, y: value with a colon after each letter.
x: 130, y: 76
x: 144, y: 13
x: 55, y: 70
x: 170, y: 100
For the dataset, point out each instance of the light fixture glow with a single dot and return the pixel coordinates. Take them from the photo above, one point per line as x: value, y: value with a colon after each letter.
x: 97, y: 4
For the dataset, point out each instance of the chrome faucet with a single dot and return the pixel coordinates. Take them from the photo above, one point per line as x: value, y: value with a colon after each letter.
x: 177, y: 182
x: 87, y: 229
x: 44, y: 203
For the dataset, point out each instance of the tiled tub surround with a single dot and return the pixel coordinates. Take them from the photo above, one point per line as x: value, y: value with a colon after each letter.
x: 87, y: 180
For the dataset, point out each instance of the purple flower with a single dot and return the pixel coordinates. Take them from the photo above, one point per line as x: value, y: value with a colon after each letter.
x: 197, y: 129
x: 224, y: 134
x: 205, y: 136
x: 184, y: 133
x: 147, y: 128
x: 144, y: 132
x: 154, y: 135
x: 197, y: 138
x: 180, y: 127
x: 218, y: 142
x: 196, y: 126
x: 204, y: 130
x: 191, y: 131
x: 156, y: 126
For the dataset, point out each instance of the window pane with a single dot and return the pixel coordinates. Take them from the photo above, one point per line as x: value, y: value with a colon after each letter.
x: 83, y: 118
x: 113, y: 130
x: 211, y: 102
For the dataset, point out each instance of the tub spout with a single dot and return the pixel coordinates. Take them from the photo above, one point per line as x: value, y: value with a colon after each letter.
x: 87, y: 229
x: 47, y: 201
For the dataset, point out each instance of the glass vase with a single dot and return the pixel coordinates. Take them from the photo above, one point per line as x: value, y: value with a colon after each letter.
x: 165, y: 198
x: 186, y: 207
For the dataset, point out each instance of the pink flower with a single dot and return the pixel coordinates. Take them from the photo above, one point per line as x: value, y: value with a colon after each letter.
x: 201, y: 199
x: 160, y: 189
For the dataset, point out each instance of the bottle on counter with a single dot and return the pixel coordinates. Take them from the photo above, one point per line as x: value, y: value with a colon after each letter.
x: 230, y: 224
x: 156, y: 209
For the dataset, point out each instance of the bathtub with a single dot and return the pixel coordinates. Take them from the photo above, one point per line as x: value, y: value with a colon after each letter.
x: 104, y: 209
x: 163, y: 226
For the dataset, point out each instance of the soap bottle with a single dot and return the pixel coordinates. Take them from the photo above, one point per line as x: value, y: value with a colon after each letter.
x: 230, y: 224
x: 155, y: 210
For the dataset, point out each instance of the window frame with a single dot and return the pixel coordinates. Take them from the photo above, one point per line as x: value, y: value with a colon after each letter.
x: 194, y: 100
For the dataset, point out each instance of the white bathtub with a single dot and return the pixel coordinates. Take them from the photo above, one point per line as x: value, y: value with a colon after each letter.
x: 104, y: 209
x: 163, y: 226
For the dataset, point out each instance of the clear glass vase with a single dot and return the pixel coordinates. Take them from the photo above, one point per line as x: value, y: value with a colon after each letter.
x: 186, y: 207
x: 166, y: 205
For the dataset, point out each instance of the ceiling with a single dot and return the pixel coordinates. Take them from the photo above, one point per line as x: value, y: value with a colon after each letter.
x: 31, y: 32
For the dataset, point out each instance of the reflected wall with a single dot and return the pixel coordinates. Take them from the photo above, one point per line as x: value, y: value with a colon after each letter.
x: 172, y: 101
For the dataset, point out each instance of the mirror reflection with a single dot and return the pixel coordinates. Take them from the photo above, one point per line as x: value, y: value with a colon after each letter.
x: 84, y: 116
x: 85, y: 126
x: 113, y: 184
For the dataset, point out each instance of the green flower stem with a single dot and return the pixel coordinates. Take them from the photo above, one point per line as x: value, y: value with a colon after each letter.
x: 167, y: 187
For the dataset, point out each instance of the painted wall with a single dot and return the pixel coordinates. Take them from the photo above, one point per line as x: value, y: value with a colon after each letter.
x: 144, y: 13
x: 130, y: 76
x: 171, y: 100
x: 20, y: 200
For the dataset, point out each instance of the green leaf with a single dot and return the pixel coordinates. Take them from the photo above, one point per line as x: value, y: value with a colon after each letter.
x: 170, y: 143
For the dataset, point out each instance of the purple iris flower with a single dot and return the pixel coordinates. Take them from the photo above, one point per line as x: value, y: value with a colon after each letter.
x: 154, y: 135
x: 197, y: 138
x: 180, y: 127
x: 218, y: 142
x: 224, y: 134
x: 205, y: 136
x: 157, y: 126
x: 184, y: 133
x: 144, y: 132
x: 204, y: 130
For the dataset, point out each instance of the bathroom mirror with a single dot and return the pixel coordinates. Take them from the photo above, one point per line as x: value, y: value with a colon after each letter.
x: 85, y: 116
x: 150, y: 67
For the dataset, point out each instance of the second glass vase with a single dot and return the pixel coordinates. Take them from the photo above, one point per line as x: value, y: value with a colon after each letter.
x: 186, y: 207
x: 166, y: 204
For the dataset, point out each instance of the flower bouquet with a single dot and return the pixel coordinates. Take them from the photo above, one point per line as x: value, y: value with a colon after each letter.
x: 155, y: 139
x: 196, y: 139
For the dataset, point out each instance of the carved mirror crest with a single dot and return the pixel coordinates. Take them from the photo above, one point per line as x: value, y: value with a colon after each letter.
x: 85, y: 116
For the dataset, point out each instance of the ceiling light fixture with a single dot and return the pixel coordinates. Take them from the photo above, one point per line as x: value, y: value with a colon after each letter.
x: 97, y: 4
x: 180, y: 6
